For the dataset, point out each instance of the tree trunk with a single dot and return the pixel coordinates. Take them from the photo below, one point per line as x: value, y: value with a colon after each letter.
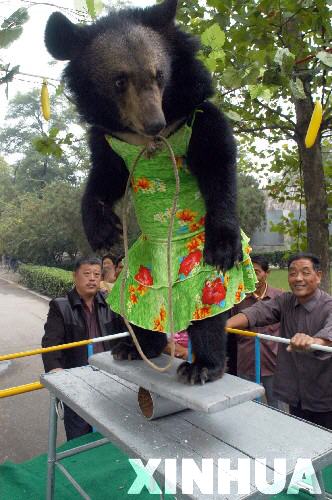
x: 314, y: 190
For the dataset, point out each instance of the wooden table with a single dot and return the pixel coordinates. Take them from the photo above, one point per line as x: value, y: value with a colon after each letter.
x: 248, y: 431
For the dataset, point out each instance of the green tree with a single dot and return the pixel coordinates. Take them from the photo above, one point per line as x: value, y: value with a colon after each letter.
x: 11, y: 29
x: 271, y: 59
x: 7, y: 187
x: 251, y: 204
x: 43, y: 152
x: 40, y: 227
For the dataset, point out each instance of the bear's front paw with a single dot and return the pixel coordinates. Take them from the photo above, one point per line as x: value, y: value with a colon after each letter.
x: 198, y: 373
x: 223, y: 249
x: 124, y: 351
x: 103, y: 228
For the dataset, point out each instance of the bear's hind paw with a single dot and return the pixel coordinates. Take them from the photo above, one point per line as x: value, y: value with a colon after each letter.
x: 197, y: 373
x: 125, y: 352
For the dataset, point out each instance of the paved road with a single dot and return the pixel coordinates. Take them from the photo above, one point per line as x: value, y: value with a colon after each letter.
x: 23, y: 418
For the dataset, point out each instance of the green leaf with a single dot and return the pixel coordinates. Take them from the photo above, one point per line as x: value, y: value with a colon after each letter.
x: 231, y: 78
x: 325, y: 57
x: 214, y: 3
x: 90, y: 5
x: 297, y: 89
x: 53, y: 132
x: 210, y: 63
x: 251, y: 75
x: 12, y: 27
x: 285, y: 59
x: 9, y: 35
x: 261, y: 91
x: 272, y: 76
x: 98, y: 6
x: 233, y: 115
x: 68, y: 139
x: 9, y: 74
x: 59, y: 90
x: 213, y: 37
x: 19, y: 17
x: 41, y: 145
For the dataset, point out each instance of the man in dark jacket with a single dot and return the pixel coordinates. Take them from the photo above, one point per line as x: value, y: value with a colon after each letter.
x: 83, y: 314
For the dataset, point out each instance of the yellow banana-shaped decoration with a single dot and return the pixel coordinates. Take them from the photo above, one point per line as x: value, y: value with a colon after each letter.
x: 314, y: 125
x: 45, y: 101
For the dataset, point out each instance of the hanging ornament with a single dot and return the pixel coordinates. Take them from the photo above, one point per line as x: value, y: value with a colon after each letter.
x: 45, y: 101
x: 314, y: 125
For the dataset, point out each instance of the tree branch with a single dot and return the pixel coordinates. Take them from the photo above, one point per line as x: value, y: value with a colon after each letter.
x: 281, y: 115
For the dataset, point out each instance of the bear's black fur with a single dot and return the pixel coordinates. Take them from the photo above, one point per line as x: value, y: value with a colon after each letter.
x: 134, y: 74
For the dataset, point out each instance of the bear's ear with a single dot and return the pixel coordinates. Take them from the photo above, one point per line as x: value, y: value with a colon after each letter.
x: 162, y: 14
x: 62, y: 37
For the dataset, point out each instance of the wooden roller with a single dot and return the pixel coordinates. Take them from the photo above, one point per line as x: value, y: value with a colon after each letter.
x: 154, y: 406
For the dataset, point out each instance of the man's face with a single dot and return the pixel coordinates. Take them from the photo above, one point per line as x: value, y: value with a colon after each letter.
x: 260, y: 273
x: 303, y: 279
x: 107, y: 262
x: 87, y: 279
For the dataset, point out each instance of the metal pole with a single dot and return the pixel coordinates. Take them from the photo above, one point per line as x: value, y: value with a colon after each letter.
x: 70, y: 345
x: 258, y: 362
x: 51, y: 456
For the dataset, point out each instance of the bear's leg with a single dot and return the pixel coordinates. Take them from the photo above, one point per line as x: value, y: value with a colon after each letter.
x: 152, y: 344
x: 208, y: 340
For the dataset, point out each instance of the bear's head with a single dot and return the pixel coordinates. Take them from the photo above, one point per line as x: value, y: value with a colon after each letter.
x: 131, y: 71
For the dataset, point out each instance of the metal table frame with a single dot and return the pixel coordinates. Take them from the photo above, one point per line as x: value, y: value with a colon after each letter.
x: 110, y: 420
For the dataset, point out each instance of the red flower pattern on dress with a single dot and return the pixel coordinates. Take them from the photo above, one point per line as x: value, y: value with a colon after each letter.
x: 142, y: 183
x: 193, y: 244
x: 144, y: 276
x: 213, y: 292
x: 162, y: 313
x: 158, y: 322
x: 239, y: 292
x: 194, y: 227
x: 196, y: 242
x: 186, y: 215
x: 142, y: 289
x: 135, y: 292
x: 202, y: 312
x: 189, y: 262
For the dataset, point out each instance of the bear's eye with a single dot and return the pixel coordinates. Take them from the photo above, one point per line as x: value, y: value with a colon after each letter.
x: 121, y: 82
x: 160, y: 77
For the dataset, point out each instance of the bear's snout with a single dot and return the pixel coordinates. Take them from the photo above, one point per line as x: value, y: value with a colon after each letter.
x: 155, y: 127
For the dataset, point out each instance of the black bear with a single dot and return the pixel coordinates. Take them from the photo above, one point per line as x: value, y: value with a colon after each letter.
x: 134, y: 76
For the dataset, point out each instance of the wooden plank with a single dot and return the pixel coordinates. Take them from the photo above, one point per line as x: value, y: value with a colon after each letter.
x: 210, y: 398
x: 262, y: 431
x: 111, y: 407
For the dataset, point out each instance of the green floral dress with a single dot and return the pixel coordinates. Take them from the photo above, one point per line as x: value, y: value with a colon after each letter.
x: 198, y: 290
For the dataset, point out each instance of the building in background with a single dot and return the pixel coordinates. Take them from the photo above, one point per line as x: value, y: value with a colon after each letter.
x: 265, y: 240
